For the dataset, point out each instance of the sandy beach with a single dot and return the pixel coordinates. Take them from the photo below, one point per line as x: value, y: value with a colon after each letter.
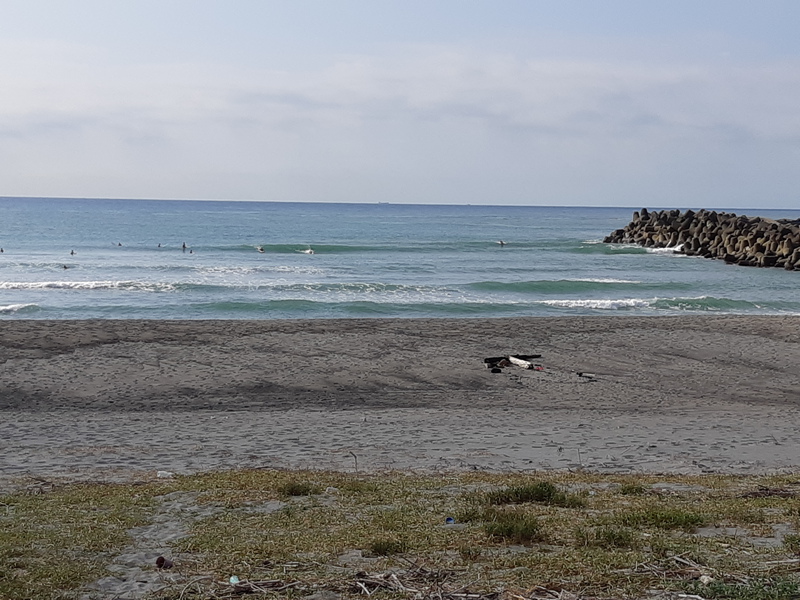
x: 111, y: 400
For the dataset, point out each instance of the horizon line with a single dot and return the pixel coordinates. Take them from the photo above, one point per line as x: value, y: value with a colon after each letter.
x: 254, y: 201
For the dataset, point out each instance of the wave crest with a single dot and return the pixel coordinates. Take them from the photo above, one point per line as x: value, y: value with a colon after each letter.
x: 14, y: 308
x: 88, y: 285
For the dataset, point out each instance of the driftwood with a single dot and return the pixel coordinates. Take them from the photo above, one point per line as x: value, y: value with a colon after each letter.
x: 418, y: 582
x: 259, y: 587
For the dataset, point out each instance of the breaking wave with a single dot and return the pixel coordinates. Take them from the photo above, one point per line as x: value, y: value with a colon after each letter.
x: 18, y: 308
x: 620, y: 304
x: 88, y: 285
x: 700, y: 304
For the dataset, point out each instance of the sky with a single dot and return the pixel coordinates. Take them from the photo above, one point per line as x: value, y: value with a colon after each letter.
x: 684, y: 103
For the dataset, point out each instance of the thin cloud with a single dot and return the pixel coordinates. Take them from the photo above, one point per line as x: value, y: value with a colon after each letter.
x: 570, y: 127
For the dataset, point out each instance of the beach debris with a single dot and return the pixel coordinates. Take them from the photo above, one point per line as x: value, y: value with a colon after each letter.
x: 418, y: 582
x: 286, y: 566
x: 678, y: 567
x: 450, y: 521
x: 165, y: 474
x: 525, y: 364
x: 542, y: 593
x: 245, y: 586
x: 586, y: 375
x: 164, y: 563
x: 767, y: 492
x: 322, y: 595
x: 524, y: 361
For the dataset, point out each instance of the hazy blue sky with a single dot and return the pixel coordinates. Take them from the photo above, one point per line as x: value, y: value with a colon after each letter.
x: 613, y: 102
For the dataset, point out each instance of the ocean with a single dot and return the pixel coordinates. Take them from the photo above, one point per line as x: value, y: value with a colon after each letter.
x: 125, y: 259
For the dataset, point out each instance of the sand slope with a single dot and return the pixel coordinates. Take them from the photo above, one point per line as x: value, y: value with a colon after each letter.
x: 109, y: 399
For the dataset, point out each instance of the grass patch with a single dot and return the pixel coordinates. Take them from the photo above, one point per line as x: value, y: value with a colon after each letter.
x: 663, y: 518
x: 470, y: 554
x: 388, y: 546
x: 299, y: 488
x: 791, y: 541
x: 49, y: 542
x: 760, y: 589
x: 514, y: 526
x: 632, y: 489
x: 318, y: 530
x: 358, y: 487
x: 542, y: 491
x: 608, y: 537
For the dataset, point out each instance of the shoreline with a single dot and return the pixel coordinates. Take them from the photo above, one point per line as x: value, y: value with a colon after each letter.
x: 111, y: 400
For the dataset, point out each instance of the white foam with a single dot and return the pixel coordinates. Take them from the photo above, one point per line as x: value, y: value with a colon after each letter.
x: 9, y: 308
x: 86, y: 285
x: 293, y: 269
x: 600, y: 304
x: 670, y: 250
x: 603, y: 280
x: 248, y: 270
x: 228, y: 269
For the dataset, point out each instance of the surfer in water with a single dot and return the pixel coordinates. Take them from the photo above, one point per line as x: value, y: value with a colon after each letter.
x: 260, y: 249
x: 502, y: 243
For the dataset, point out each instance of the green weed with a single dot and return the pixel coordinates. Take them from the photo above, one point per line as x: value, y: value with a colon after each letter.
x: 299, y: 488
x: 514, y: 526
x: 791, y: 542
x: 388, y: 546
x: 632, y: 489
x: 761, y: 589
x: 542, y: 491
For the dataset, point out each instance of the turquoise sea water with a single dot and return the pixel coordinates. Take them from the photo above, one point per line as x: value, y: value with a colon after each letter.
x: 369, y: 260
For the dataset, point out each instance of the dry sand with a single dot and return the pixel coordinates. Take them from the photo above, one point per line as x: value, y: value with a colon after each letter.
x: 111, y: 400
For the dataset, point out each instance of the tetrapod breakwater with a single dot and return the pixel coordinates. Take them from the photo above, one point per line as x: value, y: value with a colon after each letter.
x: 736, y: 239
